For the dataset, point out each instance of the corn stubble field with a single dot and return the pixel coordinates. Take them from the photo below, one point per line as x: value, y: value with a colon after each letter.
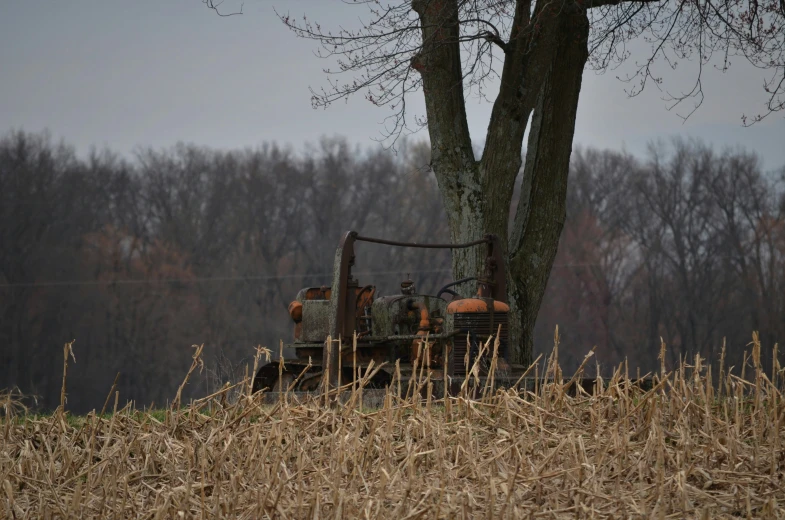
x: 683, y: 449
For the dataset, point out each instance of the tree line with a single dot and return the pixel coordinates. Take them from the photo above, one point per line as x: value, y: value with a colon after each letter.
x: 139, y: 258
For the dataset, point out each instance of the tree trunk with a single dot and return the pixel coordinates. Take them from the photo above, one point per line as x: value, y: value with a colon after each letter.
x: 543, y: 66
x: 452, y: 156
x: 542, y: 207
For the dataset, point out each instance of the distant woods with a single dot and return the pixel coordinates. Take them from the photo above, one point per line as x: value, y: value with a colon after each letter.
x: 138, y: 259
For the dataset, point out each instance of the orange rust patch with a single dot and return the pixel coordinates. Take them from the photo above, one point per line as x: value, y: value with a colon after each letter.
x: 475, y: 305
x: 296, y: 311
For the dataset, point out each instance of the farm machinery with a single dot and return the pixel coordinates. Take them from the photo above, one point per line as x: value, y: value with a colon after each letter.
x: 443, y: 333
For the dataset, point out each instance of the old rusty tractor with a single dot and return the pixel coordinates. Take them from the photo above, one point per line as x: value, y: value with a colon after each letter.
x: 393, y: 328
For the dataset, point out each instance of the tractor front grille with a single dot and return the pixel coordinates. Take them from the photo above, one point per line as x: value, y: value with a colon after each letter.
x: 479, y: 326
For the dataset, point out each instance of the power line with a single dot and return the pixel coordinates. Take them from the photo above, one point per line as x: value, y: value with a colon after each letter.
x: 77, y: 283
x: 205, y: 279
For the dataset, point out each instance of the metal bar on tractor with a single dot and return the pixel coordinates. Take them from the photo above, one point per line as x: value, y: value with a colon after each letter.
x: 426, y: 246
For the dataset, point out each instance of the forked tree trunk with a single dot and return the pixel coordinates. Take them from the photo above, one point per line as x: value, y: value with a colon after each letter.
x: 542, y: 208
x: 542, y: 75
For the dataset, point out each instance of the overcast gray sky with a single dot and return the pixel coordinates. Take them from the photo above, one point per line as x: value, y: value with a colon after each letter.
x: 128, y: 73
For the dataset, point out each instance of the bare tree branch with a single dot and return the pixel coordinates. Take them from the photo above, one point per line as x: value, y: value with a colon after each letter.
x: 211, y: 4
x: 590, y: 4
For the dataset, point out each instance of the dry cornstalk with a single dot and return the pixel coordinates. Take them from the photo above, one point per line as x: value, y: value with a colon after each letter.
x: 676, y: 450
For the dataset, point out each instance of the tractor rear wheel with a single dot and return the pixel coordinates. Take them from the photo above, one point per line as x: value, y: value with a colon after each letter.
x: 267, y: 379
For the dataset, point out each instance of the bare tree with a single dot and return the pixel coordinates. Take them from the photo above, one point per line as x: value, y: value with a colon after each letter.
x: 750, y: 224
x: 686, y: 246
x: 138, y: 261
x: 537, y: 52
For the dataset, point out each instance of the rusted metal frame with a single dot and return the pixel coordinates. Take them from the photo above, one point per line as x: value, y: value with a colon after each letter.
x: 494, y: 285
x: 407, y: 337
x: 344, y: 260
x: 483, y: 240
x: 379, y: 339
x: 342, y: 299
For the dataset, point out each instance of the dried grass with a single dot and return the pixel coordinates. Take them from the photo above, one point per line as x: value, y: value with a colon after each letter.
x: 685, y: 448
